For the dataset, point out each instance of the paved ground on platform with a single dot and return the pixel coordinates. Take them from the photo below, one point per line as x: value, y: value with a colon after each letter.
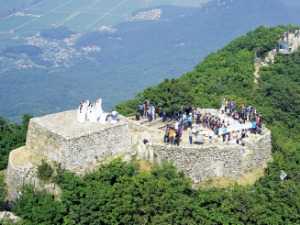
x: 159, y: 127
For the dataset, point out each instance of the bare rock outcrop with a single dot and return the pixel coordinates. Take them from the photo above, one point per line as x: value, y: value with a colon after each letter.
x: 288, y: 44
x: 9, y: 217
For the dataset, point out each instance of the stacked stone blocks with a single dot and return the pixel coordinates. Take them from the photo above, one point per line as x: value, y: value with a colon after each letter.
x: 81, y: 147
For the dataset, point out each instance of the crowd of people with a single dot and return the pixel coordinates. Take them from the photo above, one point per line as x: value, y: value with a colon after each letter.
x: 231, y: 123
x: 151, y: 112
x: 245, y: 113
x: 148, y: 110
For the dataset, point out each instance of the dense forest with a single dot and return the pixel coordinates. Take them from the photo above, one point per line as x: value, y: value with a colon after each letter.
x: 2, y: 190
x: 11, y: 136
x: 122, y: 193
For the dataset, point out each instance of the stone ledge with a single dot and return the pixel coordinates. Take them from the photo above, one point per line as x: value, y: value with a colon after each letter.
x: 22, y: 157
x: 65, y: 124
x: 213, y: 161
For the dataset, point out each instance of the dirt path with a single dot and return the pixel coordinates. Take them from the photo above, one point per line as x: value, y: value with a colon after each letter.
x: 264, y: 62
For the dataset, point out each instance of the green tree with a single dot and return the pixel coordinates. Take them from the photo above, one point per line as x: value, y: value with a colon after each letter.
x: 2, y: 190
x: 12, y: 136
x: 45, y: 171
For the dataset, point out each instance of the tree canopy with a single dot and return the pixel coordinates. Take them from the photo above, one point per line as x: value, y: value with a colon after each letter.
x: 12, y: 135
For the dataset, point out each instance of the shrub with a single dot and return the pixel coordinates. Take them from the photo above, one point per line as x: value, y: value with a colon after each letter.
x: 45, y: 171
x: 2, y: 190
x: 12, y: 136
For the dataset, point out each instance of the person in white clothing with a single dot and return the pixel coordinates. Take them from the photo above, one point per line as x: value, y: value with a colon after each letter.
x: 98, y: 109
x: 223, y: 104
x: 81, y: 112
x: 89, y: 114
x: 94, y: 114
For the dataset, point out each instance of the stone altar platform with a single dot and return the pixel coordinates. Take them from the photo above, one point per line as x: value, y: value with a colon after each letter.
x: 76, y: 146
x: 61, y: 139
x: 81, y: 147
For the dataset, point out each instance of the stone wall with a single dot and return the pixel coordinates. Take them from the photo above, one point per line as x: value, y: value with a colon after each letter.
x: 82, y: 153
x: 82, y: 147
x: 44, y: 142
x: 138, y: 134
x: 60, y: 139
x: 79, y: 153
x: 21, y: 170
x: 210, y: 161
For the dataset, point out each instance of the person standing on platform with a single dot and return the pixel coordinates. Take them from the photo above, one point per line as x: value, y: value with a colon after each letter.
x: 190, y: 133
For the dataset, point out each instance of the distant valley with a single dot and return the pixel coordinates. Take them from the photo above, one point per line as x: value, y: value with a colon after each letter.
x: 48, y: 69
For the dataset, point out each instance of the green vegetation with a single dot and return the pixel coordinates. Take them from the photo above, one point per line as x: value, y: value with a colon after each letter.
x: 11, y: 136
x: 2, y: 190
x: 45, y: 171
x: 228, y: 72
x: 116, y: 194
x: 119, y: 193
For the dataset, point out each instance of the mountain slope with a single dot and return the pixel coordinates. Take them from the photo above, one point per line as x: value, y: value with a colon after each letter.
x: 139, y: 54
x: 227, y: 72
x: 120, y: 193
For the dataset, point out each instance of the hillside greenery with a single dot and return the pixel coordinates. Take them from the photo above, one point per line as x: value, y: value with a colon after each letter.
x: 2, y: 190
x: 228, y: 72
x: 12, y: 136
x: 45, y: 171
x: 120, y: 193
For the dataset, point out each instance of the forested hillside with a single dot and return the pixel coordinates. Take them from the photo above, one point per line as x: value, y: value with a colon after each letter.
x: 121, y: 193
x: 11, y: 136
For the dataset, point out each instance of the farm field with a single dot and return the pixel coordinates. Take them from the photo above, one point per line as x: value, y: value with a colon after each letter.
x: 79, y: 15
